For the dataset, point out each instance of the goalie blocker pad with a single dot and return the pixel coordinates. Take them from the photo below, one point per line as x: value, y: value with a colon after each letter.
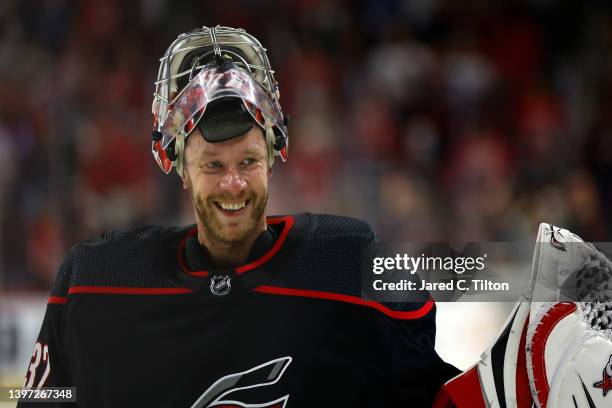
x: 549, y: 353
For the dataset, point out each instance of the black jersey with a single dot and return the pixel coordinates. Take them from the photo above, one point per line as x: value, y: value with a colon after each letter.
x: 139, y: 318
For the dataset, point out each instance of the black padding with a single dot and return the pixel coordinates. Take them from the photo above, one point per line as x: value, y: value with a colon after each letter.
x: 225, y: 119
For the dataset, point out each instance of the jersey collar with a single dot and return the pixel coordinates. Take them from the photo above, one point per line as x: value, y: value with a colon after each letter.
x: 194, y: 259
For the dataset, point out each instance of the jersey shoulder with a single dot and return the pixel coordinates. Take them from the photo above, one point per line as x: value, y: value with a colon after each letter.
x: 334, y: 257
x: 333, y: 260
x: 126, y: 257
x: 330, y: 225
x: 327, y: 255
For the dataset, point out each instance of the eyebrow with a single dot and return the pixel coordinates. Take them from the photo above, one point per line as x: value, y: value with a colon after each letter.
x: 252, y: 151
x: 208, y: 154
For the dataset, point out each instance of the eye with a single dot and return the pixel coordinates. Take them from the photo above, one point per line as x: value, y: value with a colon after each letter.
x: 214, y: 165
x: 248, y: 161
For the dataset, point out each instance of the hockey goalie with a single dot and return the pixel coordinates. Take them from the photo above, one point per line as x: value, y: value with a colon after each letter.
x: 555, y: 351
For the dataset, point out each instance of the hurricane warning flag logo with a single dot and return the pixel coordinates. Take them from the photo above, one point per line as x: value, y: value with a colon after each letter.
x: 606, y: 383
x: 219, y: 394
x: 554, y: 242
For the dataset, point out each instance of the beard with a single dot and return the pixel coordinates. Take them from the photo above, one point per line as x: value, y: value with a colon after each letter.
x: 220, y: 232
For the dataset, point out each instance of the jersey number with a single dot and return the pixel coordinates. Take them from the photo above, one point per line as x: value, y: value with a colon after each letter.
x: 41, y: 352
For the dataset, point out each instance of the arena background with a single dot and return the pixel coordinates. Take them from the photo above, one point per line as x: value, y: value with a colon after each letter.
x: 431, y: 119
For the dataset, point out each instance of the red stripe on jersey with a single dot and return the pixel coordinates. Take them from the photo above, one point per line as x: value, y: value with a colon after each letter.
x: 112, y: 290
x: 57, y: 300
x: 181, y: 255
x: 288, y: 220
x: 396, y: 314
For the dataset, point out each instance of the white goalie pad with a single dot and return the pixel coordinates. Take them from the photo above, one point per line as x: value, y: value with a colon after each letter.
x: 552, y: 352
x: 568, y: 347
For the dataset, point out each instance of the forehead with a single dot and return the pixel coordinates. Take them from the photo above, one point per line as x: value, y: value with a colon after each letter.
x: 250, y: 142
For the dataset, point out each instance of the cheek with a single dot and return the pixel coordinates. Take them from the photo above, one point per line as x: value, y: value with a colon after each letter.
x: 260, y: 182
x: 201, y: 187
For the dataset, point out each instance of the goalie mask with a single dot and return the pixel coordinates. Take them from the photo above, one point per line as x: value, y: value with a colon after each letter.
x: 219, y: 80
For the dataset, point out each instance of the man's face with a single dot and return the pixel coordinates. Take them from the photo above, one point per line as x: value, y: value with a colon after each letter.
x: 228, y: 182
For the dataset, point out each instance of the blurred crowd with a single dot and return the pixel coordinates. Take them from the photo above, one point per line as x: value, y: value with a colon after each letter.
x: 431, y: 119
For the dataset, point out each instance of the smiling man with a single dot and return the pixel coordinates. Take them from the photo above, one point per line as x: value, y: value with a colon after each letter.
x: 228, y: 183
x: 239, y: 309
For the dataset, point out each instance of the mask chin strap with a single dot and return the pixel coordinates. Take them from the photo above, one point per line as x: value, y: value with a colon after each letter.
x: 179, y: 149
x: 270, y: 141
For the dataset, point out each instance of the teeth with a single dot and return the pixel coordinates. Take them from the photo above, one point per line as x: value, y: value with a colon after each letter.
x: 232, y: 206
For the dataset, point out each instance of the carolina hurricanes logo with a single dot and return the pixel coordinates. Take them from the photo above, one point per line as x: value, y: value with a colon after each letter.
x: 554, y: 242
x: 263, y: 375
x: 606, y: 383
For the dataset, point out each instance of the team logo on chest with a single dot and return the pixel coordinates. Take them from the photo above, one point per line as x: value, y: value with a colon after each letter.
x: 220, y: 285
x: 219, y: 395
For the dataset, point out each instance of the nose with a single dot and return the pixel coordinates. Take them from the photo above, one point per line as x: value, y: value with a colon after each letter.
x: 233, y: 182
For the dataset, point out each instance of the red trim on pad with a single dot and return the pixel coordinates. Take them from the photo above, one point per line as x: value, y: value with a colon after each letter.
x: 463, y: 391
x: 396, y: 314
x: 59, y: 300
x: 537, y: 347
x: 523, y: 392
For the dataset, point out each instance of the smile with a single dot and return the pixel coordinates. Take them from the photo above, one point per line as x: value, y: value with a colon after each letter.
x: 229, y: 208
